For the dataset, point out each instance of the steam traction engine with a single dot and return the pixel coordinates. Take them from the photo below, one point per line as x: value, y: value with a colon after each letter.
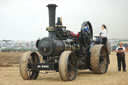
x: 65, y: 52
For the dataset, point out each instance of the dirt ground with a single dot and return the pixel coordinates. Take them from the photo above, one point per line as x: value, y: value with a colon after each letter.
x: 9, y: 74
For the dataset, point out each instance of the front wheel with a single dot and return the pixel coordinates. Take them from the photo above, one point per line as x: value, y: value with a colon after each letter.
x: 26, y: 59
x: 68, y: 66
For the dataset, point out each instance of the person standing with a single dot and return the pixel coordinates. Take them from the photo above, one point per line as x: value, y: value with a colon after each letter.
x: 120, y: 50
x: 103, y: 34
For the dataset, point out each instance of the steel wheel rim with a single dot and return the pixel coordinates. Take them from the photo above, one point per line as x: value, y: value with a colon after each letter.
x: 103, y: 60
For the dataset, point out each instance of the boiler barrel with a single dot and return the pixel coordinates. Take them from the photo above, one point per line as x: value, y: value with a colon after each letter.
x: 50, y: 47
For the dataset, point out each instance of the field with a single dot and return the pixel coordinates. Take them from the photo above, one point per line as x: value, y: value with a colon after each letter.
x: 9, y: 74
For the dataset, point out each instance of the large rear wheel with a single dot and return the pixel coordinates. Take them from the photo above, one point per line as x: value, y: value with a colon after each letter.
x: 26, y: 59
x: 99, y: 59
x: 68, y: 66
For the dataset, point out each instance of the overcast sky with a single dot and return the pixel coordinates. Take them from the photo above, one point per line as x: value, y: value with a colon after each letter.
x: 28, y: 19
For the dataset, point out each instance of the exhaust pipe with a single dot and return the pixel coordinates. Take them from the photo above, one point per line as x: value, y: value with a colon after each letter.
x: 52, y: 14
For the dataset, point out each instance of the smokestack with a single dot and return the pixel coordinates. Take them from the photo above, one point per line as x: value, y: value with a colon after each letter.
x: 52, y: 14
